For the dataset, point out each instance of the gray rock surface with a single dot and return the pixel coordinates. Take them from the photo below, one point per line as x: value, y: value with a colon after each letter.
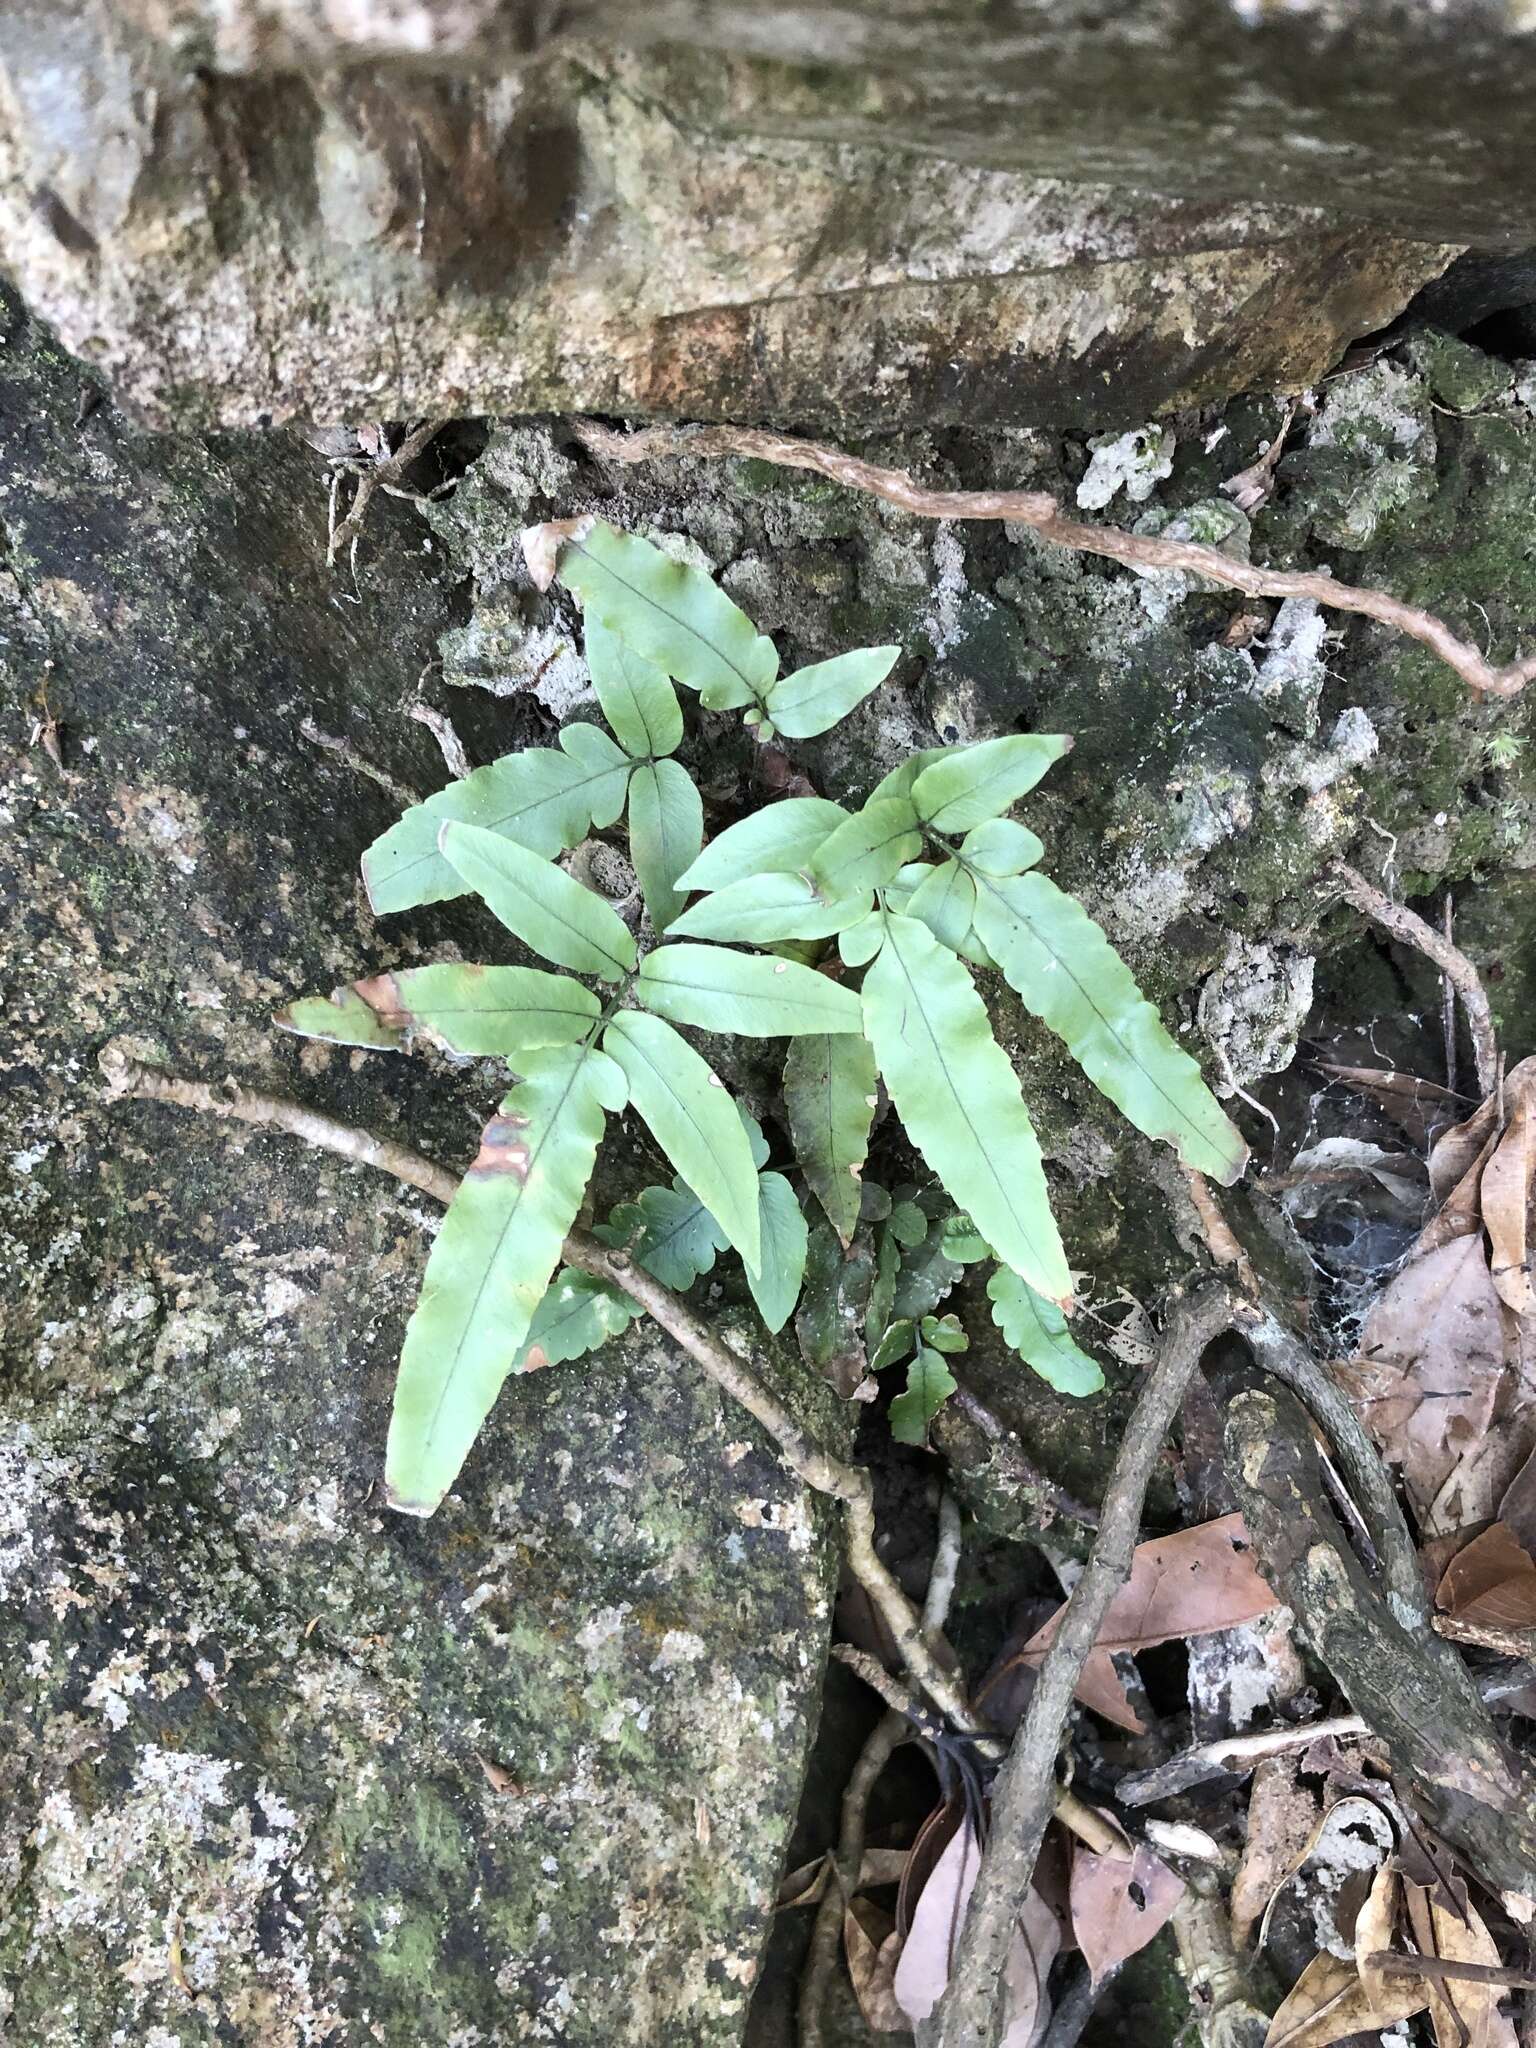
x: 242, y: 1712
x: 276, y: 1766
x: 856, y: 214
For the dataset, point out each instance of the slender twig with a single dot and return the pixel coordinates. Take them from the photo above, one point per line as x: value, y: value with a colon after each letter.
x: 440, y: 725
x: 1024, y: 1796
x: 888, y: 1733
x: 380, y: 476
x: 1448, y: 995
x: 945, y: 1569
x: 1288, y: 1360
x: 1220, y: 1239
x: 333, y: 743
x: 1458, y: 970
x: 1282, y: 1354
x: 1042, y: 512
x: 127, y: 1076
x: 1074, y: 2006
x: 1391, y: 1964
x: 1231, y: 1755
x: 1090, y: 1828
x: 809, y: 1460
x: 902, y: 1699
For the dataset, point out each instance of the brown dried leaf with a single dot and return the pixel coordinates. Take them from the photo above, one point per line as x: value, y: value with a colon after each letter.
x: 542, y: 545
x: 1492, y: 1580
x: 1455, y: 1151
x: 1334, y: 1872
x: 933, y: 1838
x: 882, y: 1866
x: 923, y: 1969
x: 1506, y: 1201
x: 1517, y: 1509
x: 1461, y: 1212
x: 1282, y: 1814
x: 1036, y: 1945
x: 1375, y: 1932
x: 805, y: 1885
x: 1432, y: 1375
x: 1118, y: 1903
x: 1461, y: 1157
x: 1187, y: 1584
x: 1317, y: 1172
x: 1464, y: 2015
x: 1251, y: 487
x: 873, y: 1947
x: 1420, y: 1107
x: 1329, y: 2001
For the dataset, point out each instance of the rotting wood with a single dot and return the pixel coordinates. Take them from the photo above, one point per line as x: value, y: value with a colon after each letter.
x: 1416, y: 1696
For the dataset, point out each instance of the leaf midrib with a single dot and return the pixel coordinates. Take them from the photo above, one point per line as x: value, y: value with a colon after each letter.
x: 620, y: 967
x: 815, y: 1006
x: 705, y: 1137
x: 663, y: 823
x: 1025, y: 1232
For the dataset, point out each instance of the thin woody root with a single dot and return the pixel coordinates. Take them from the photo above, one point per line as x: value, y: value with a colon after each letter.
x: 888, y: 1733
x: 379, y: 476
x: 1458, y: 970
x: 1043, y: 513
x: 130, y: 1077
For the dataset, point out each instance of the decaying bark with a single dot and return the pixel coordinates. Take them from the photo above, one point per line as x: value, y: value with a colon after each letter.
x: 1420, y: 1701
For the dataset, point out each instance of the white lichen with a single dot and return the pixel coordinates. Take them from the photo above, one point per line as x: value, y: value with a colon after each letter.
x: 1136, y: 463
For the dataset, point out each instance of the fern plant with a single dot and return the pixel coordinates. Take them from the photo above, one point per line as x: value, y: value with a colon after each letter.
x: 927, y: 878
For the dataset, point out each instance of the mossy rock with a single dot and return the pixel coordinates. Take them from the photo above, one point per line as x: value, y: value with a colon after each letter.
x: 275, y: 1764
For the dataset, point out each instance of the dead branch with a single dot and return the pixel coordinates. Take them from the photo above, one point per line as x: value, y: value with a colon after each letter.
x: 1458, y: 970
x: 902, y: 1699
x: 1286, y: 1359
x: 1042, y: 512
x: 1486, y: 1635
x: 1024, y: 1796
x: 945, y: 1569
x: 440, y: 725
x: 129, y: 1077
x: 1015, y: 1467
x: 1415, y: 1694
x: 1224, y: 1988
x: 1080, y: 1819
x: 378, y: 476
